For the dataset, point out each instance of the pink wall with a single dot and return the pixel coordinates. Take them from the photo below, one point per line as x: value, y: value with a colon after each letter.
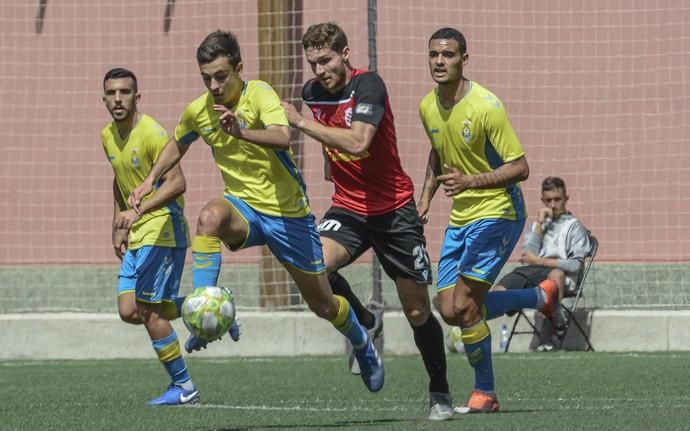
x: 598, y: 92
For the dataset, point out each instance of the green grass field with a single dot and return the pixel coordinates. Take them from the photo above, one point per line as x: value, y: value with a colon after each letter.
x: 578, y: 391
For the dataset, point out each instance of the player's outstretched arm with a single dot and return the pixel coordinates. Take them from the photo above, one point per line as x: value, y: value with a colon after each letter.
x: 433, y: 169
x: 171, y: 154
x: 173, y: 185
x: 355, y: 140
x: 275, y: 137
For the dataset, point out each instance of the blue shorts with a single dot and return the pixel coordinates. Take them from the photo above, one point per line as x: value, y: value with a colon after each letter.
x: 293, y: 241
x: 152, y: 273
x: 477, y: 251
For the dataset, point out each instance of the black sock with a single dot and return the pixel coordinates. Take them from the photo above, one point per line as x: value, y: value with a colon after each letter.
x: 341, y: 287
x: 429, y: 341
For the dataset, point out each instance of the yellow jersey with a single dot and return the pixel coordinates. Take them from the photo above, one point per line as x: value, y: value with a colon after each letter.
x: 267, y: 180
x: 475, y: 137
x: 132, y: 159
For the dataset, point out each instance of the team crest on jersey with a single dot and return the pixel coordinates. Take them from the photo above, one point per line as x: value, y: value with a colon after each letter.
x: 135, y: 158
x: 364, y: 109
x: 466, y: 132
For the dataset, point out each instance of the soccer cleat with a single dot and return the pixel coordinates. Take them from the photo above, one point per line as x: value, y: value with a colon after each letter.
x: 441, y: 406
x: 371, y: 367
x: 479, y: 402
x: 375, y: 334
x: 176, y: 396
x: 194, y: 343
x: 235, y: 329
x: 552, y: 307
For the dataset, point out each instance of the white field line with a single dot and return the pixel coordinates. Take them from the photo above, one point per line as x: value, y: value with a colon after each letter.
x: 604, y: 404
x: 299, y: 408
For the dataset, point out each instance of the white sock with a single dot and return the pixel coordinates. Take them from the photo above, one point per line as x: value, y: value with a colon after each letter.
x: 187, y: 386
x: 541, y: 297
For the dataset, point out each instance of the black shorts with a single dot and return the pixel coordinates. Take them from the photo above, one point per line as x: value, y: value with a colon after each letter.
x: 397, y: 238
x: 525, y: 276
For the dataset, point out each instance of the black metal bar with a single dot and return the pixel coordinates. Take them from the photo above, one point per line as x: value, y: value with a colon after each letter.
x: 40, y: 15
x: 376, y: 272
x: 167, y: 17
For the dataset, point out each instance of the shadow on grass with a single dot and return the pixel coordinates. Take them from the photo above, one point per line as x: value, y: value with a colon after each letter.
x: 335, y: 425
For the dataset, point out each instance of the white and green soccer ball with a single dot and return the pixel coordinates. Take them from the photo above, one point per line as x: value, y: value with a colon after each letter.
x: 454, y: 342
x: 208, y: 312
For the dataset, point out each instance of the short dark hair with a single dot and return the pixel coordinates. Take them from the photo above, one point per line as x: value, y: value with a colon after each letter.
x: 219, y: 44
x: 553, y: 183
x: 450, y: 33
x: 120, y: 72
x: 325, y: 35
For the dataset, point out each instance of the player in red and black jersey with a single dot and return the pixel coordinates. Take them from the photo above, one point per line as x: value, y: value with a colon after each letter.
x: 368, y: 177
x: 373, y: 205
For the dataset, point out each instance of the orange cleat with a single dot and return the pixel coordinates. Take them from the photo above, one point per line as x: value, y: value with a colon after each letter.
x: 479, y: 402
x: 550, y: 289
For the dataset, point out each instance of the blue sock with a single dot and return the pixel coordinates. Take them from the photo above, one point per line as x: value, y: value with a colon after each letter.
x: 477, y: 341
x: 206, y: 261
x: 168, y: 350
x: 178, y: 304
x: 498, y: 303
x: 346, y: 322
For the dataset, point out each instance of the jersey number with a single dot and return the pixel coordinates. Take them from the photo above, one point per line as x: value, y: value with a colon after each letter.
x: 421, y: 257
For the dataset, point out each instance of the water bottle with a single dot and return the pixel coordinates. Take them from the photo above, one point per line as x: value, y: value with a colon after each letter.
x: 504, y: 338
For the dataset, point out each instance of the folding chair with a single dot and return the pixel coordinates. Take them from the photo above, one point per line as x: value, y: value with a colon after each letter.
x: 574, y: 293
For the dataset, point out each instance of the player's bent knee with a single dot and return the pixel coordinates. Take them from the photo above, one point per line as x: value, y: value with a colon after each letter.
x: 445, y: 309
x: 323, y: 309
x: 449, y: 318
x: 466, y: 314
x: 210, y: 221
x: 149, y: 312
x: 130, y: 316
x: 417, y: 316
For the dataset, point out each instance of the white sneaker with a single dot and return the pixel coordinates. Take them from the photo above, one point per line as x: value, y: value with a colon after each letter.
x: 441, y: 407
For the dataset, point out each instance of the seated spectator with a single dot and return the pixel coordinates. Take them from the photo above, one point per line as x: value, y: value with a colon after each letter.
x: 554, y: 248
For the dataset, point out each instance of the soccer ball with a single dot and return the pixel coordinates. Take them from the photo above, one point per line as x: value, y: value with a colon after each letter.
x: 208, y: 312
x: 454, y: 342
